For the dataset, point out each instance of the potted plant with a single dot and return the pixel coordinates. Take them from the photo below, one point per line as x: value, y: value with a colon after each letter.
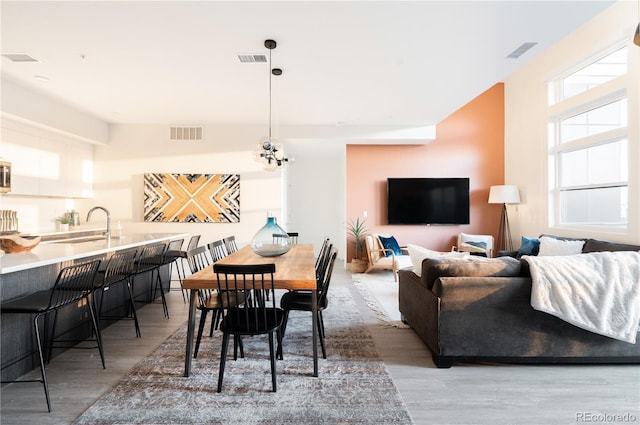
x: 358, y: 231
x: 63, y: 223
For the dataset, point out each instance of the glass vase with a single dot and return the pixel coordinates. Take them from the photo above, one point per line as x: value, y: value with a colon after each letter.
x: 271, y: 240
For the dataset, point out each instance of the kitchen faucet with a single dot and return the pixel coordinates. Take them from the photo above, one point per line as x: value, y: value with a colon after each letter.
x: 107, y: 234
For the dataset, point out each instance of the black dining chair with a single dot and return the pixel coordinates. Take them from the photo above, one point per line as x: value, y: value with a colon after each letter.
x: 230, y: 244
x: 119, y: 269
x: 217, y: 250
x: 73, y: 285
x: 324, y: 250
x: 303, y: 301
x: 181, y: 254
x: 256, y: 316
x: 208, y: 300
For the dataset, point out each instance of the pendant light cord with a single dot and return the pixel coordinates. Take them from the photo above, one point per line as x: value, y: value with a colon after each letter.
x: 270, y: 78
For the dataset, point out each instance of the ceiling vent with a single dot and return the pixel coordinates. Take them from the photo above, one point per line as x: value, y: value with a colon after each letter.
x: 521, y: 50
x: 186, y: 134
x: 252, y: 58
x: 20, y: 57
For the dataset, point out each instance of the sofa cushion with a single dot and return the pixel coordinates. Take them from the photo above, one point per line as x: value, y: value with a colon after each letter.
x: 471, y: 266
x: 554, y: 246
x: 594, y: 245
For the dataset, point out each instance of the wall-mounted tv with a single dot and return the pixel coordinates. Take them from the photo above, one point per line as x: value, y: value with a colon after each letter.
x: 428, y: 200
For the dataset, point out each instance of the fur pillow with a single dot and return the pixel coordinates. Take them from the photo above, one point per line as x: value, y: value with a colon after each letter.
x: 552, y: 246
x: 418, y: 254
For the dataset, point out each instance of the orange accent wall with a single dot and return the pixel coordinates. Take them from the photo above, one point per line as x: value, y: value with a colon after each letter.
x: 469, y: 143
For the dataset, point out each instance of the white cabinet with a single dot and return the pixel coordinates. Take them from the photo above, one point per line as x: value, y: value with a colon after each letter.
x: 46, y: 164
x: 79, y: 170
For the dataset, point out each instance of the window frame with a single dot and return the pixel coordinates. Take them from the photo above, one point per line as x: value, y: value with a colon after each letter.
x: 560, y: 109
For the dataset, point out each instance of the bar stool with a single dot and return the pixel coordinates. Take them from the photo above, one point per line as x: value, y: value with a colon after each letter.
x: 120, y: 269
x: 293, y: 236
x: 150, y: 260
x: 171, y: 256
x: 73, y: 284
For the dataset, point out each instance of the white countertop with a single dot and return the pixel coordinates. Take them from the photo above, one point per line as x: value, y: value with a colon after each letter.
x: 52, y: 253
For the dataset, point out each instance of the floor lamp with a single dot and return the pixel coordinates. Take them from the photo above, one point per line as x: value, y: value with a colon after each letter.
x: 504, y: 194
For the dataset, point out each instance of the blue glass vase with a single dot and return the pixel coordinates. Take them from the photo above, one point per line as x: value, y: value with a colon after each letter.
x: 271, y: 240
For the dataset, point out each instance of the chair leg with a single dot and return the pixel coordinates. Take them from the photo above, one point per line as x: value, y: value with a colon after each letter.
x: 185, y: 294
x: 52, y: 336
x: 133, y: 308
x: 283, y: 326
x: 203, y: 319
x: 279, y: 339
x: 223, y: 359
x: 281, y: 332
x: 240, y: 346
x: 96, y: 329
x: 165, y: 308
x: 41, y: 356
x: 321, y: 334
x: 272, y: 355
x: 214, y: 321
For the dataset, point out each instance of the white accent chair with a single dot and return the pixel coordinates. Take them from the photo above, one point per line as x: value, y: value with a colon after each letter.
x: 473, y: 244
x: 376, y: 254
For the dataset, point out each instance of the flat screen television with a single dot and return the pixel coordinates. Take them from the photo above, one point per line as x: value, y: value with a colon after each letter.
x: 428, y: 200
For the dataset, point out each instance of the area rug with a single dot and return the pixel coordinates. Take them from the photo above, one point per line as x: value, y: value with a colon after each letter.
x: 380, y: 293
x: 353, y: 386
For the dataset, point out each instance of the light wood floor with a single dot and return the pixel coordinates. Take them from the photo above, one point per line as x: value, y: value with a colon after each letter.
x: 464, y: 394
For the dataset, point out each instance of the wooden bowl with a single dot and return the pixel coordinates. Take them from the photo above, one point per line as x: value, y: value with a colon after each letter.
x: 12, y: 244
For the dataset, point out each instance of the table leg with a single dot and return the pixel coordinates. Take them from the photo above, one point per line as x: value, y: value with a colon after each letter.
x: 314, y: 323
x: 191, y: 324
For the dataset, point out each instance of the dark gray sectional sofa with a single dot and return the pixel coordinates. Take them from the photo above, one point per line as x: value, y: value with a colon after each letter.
x: 480, y: 311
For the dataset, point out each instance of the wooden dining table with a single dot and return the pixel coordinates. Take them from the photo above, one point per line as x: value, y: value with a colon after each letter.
x: 295, y: 270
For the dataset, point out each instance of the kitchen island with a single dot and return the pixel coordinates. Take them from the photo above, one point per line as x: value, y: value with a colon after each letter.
x: 24, y: 273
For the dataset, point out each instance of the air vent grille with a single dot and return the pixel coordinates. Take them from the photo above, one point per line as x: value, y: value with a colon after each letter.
x: 252, y: 58
x: 185, y: 134
x: 521, y: 50
x: 20, y: 57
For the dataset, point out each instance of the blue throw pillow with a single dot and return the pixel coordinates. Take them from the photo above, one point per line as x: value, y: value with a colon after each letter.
x: 528, y: 246
x: 390, y: 243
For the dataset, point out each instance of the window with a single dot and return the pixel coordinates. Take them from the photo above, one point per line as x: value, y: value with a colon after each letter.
x: 588, y: 140
x: 595, y: 73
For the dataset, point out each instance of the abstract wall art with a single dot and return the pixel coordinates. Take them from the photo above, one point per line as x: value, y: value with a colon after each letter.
x: 192, y: 198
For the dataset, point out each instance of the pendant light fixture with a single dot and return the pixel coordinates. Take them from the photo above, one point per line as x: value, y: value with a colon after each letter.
x: 268, y: 148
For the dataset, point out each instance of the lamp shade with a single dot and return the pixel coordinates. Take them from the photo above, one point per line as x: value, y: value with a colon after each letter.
x: 504, y: 194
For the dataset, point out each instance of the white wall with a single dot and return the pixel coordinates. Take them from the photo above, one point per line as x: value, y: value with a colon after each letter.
x: 316, y: 192
x: 526, y: 123
x: 136, y: 149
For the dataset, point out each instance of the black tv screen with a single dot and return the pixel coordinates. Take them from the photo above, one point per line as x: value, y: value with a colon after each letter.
x: 428, y: 200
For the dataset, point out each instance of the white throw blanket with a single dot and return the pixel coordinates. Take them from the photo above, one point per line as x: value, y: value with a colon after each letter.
x: 598, y: 291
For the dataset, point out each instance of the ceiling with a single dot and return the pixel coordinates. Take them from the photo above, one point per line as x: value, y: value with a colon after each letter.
x: 345, y: 63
